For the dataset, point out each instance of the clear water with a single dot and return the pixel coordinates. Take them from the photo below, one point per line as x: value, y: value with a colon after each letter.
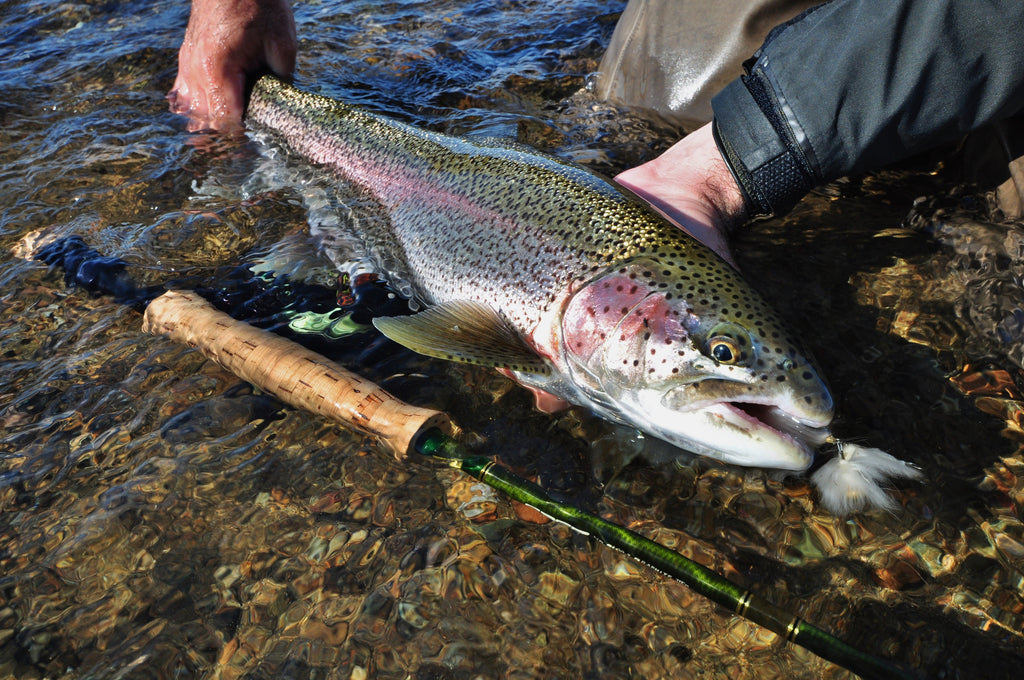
x: 160, y: 519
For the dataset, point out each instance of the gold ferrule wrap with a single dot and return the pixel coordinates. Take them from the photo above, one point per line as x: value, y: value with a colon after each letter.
x: 792, y: 629
x: 743, y: 604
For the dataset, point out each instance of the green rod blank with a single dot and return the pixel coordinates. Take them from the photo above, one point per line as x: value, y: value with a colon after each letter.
x: 696, y: 576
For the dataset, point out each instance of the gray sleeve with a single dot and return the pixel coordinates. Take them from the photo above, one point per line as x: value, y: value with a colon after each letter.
x: 851, y: 85
x: 673, y: 56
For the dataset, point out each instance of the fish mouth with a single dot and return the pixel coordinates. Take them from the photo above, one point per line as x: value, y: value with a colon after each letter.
x: 754, y: 433
x: 758, y: 435
x: 813, y: 432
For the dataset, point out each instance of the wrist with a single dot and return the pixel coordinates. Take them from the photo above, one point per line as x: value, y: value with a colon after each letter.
x: 723, y: 191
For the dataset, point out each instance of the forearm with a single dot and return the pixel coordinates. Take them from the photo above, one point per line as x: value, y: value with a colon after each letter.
x: 855, y: 84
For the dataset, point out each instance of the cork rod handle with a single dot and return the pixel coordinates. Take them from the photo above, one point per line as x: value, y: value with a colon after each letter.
x: 295, y: 375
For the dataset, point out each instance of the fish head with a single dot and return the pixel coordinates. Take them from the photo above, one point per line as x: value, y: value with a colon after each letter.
x: 684, y: 349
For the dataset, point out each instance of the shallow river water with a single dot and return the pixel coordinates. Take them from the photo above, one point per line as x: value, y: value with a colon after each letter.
x: 160, y: 518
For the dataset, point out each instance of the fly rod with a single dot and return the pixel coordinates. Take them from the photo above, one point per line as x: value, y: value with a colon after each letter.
x: 304, y: 379
x: 307, y: 380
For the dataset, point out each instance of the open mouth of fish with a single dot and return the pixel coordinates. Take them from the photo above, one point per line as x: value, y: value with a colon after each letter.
x: 757, y: 433
x: 812, y: 433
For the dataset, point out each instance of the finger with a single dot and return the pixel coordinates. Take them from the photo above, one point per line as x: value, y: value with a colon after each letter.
x: 280, y: 59
x: 227, y: 102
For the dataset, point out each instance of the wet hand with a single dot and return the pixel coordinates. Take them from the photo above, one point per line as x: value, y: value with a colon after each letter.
x: 226, y: 43
x: 691, y: 184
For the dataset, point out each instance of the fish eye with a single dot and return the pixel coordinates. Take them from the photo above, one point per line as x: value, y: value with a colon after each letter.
x: 724, y: 350
x: 729, y: 344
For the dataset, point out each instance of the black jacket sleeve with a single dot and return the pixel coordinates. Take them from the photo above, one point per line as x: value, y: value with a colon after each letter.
x: 851, y: 85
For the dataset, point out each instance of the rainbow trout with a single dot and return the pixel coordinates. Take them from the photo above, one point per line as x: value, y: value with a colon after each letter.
x: 532, y: 264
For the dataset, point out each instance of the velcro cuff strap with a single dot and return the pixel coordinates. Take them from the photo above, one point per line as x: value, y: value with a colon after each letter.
x: 756, y: 144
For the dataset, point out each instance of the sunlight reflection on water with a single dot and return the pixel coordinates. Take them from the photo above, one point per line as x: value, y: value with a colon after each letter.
x: 161, y: 519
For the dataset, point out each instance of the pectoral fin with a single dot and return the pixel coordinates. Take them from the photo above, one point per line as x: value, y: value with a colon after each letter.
x: 465, y: 331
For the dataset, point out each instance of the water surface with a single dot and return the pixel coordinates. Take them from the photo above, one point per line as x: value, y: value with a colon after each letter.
x: 161, y: 519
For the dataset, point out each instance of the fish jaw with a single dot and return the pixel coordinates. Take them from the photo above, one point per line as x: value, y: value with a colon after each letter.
x: 732, y: 432
x: 646, y: 358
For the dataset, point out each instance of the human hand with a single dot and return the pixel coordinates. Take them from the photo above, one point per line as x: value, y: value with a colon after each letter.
x: 227, y: 42
x: 692, y: 185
